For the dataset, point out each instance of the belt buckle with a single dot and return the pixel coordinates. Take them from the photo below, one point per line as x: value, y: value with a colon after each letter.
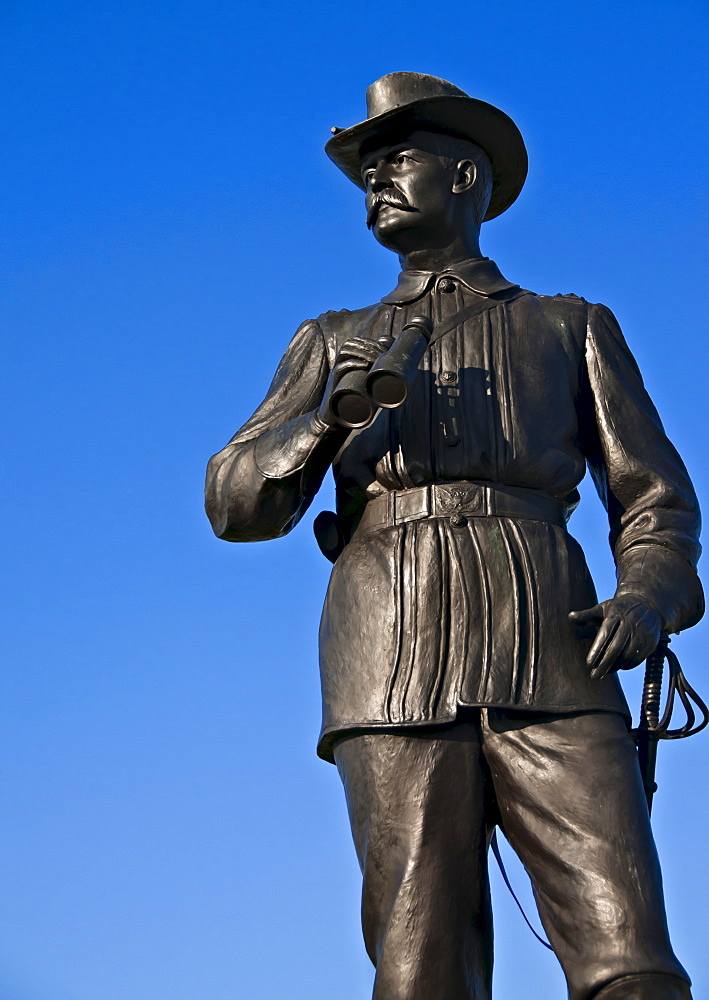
x: 458, y: 500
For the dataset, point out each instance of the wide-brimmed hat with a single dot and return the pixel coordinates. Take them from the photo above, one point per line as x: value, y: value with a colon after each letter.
x: 407, y: 101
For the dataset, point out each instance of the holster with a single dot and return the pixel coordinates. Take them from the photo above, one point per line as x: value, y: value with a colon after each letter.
x: 328, y: 534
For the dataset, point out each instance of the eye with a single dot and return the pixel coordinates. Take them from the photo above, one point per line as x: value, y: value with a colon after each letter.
x: 400, y: 159
x: 367, y: 176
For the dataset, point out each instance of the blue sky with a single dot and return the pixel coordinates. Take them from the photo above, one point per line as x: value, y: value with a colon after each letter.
x: 169, y: 218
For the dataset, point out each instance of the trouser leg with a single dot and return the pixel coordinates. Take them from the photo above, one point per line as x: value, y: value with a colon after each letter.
x: 417, y: 805
x: 572, y: 805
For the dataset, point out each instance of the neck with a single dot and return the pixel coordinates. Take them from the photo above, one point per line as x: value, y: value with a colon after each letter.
x: 439, y: 258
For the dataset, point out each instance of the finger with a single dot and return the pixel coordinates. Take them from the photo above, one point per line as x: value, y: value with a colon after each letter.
x: 359, y: 343
x: 642, y: 642
x: 350, y: 365
x: 608, y: 628
x: 612, y: 653
x: 358, y: 340
x: 361, y: 355
x: 594, y: 614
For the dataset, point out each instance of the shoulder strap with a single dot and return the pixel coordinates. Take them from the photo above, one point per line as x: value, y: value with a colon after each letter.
x: 476, y: 308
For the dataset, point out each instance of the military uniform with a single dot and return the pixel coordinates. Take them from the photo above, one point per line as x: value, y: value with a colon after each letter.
x: 446, y: 618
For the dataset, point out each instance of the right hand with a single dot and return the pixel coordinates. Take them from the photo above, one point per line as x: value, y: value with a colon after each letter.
x: 356, y: 354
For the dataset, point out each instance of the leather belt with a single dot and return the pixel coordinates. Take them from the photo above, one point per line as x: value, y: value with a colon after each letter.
x: 457, y: 502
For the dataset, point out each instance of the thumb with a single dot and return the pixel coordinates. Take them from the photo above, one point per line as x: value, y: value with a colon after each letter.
x: 594, y: 614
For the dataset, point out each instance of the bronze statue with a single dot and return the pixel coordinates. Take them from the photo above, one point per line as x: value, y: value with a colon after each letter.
x: 468, y: 670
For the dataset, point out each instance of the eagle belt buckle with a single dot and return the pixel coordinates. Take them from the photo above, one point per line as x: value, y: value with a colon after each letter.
x: 457, y: 501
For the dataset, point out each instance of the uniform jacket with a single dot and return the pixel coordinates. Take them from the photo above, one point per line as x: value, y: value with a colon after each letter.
x: 423, y: 617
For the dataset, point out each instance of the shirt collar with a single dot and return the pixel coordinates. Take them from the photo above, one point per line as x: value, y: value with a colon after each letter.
x: 480, y: 275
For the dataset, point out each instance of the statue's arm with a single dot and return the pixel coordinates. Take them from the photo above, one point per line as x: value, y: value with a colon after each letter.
x: 262, y: 482
x: 652, y: 508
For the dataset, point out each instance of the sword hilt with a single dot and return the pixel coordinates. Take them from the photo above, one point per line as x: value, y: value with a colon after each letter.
x: 652, y: 688
x: 652, y: 727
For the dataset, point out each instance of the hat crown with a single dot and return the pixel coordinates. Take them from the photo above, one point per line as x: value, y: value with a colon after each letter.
x: 397, y: 89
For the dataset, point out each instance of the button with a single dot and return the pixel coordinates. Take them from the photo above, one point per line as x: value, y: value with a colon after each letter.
x: 458, y: 521
x: 446, y: 285
x: 448, y: 376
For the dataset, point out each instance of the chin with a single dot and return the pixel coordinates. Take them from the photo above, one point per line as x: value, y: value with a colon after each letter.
x: 386, y: 239
x: 392, y: 233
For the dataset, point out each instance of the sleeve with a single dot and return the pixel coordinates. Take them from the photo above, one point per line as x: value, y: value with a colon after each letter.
x: 260, y: 485
x: 652, y: 508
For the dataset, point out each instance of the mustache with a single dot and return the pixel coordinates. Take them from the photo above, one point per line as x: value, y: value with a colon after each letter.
x: 389, y: 197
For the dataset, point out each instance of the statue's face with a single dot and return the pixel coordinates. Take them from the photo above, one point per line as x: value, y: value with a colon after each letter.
x: 410, y: 200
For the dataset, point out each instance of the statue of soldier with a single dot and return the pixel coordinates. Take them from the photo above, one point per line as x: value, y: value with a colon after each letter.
x: 468, y: 670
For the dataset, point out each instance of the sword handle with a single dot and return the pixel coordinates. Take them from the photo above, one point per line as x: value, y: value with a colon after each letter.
x: 651, y: 728
x: 647, y: 734
x: 652, y: 688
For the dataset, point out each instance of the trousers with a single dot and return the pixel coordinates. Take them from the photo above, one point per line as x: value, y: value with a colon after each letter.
x: 567, y: 793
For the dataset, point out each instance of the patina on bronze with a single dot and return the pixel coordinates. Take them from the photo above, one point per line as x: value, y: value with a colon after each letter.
x: 469, y: 672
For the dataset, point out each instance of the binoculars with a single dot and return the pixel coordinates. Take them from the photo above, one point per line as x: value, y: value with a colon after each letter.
x: 359, y: 394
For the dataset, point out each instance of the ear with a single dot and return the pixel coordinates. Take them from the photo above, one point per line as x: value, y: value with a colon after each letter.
x: 466, y: 173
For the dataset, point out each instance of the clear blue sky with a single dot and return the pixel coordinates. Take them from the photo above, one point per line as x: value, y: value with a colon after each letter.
x: 169, y: 218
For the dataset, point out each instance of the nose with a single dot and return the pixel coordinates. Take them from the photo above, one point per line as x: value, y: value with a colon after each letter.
x: 379, y: 177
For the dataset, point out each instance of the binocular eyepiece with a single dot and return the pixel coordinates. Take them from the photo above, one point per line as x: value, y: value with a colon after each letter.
x: 387, y: 384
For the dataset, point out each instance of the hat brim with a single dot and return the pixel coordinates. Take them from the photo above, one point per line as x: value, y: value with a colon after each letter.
x: 465, y: 117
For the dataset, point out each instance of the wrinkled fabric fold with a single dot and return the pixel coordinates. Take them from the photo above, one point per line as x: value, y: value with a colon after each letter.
x: 438, y: 617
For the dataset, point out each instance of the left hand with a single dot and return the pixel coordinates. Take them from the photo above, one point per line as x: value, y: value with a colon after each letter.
x: 629, y: 631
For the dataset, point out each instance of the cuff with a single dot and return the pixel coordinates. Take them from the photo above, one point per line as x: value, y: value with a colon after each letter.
x: 666, y: 581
